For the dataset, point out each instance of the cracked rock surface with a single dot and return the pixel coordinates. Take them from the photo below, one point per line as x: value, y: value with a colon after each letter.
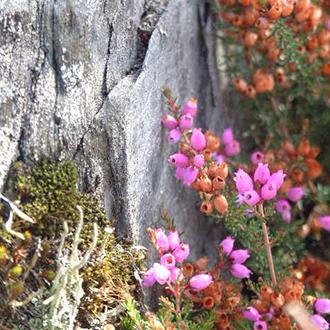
x: 83, y: 79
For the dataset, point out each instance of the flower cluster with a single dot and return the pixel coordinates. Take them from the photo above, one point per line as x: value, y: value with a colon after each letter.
x: 263, y: 187
x: 321, y: 306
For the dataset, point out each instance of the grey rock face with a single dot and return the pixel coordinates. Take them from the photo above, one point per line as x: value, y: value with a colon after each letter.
x: 83, y: 79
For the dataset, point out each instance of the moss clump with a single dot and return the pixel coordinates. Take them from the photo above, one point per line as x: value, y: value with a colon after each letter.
x: 48, y: 193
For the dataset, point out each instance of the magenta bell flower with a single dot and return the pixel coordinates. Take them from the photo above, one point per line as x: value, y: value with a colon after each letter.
x: 232, y: 148
x: 219, y: 159
x: 325, y: 222
x: 260, y: 325
x: 174, y: 274
x: 239, y: 256
x: 251, y: 197
x: 167, y: 260
x: 181, y: 252
x: 179, y: 173
x: 286, y: 216
x: 189, y: 175
x: 149, y: 278
x: 278, y: 178
x: 322, y: 305
x: 320, y: 322
x: 282, y: 205
x: 169, y: 122
x: 173, y: 239
x: 251, y: 314
x: 190, y: 108
x: 199, y: 160
x: 186, y: 122
x: 200, y: 282
x: 262, y: 173
x: 295, y: 194
x: 243, y: 181
x: 257, y: 157
x: 227, y: 136
x: 198, y: 140
x: 174, y: 136
x: 240, y: 271
x: 227, y: 245
x: 269, y: 190
x: 161, y: 273
x: 162, y: 240
x: 179, y: 160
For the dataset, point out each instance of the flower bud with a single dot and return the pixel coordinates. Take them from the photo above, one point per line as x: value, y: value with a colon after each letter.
x: 260, y: 325
x: 232, y: 148
x: 227, y: 136
x: 189, y: 175
x: 173, y: 239
x: 325, y: 222
x: 221, y: 204
x: 262, y: 173
x: 169, y: 122
x: 167, y: 260
x: 240, y: 271
x: 286, y: 216
x: 295, y: 194
x: 174, y: 136
x: 251, y: 314
x: 190, y: 107
x: 227, y: 245
x: 322, y: 305
x: 282, y: 205
x: 269, y: 190
x: 243, y: 181
x: 320, y: 322
x: 278, y: 178
x: 239, y: 256
x: 257, y: 157
x: 179, y: 173
x: 162, y: 240
x: 161, y: 273
x: 251, y: 197
x: 174, y: 274
x: 200, y: 282
x: 198, y: 140
x: 149, y: 278
x: 181, y: 252
x: 179, y: 160
x: 186, y: 122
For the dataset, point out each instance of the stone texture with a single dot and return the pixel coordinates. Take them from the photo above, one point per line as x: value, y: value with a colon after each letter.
x: 83, y: 79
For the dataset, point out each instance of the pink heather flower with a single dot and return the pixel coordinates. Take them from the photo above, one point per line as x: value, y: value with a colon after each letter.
x: 260, y: 325
x: 325, y: 222
x: 251, y: 197
x: 219, y: 159
x: 198, y: 140
x: 186, y: 122
x: 320, y: 322
x: 243, y: 181
x: 282, y: 205
x: 174, y: 274
x: 169, y: 122
x: 227, y: 136
x: 286, y: 216
x: 322, y: 305
x: 173, y: 239
x: 257, y: 157
x: 262, y: 173
x: 174, y: 136
x: 278, y: 178
x: 199, y: 160
x: 227, y: 245
x: 190, y: 107
x: 161, y: 273
x: 179, y: 173
x: 179, y: 160
x: 189, y: 175
x: 269, y: 190
x: 149, y: 278
x: 162, y: 240
x: 167, y: 260
x: 181, y: 252
x: 240, y: 271
x: 200, y: 282
x: 232, y: 148
x: 239, y: 256
x: 251, y: 314
x: 295, y: 194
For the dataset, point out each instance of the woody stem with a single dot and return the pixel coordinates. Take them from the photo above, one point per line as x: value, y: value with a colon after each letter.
x: 268, y: 246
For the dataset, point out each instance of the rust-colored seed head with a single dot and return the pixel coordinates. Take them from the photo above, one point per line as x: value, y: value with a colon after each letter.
x: 221, y: 204
x: 314, y: 169
x: 222, y: 170
x: 218, y: 183
x: 208, y: 302
x: 304, y: 147
x: 188, y: 269
x: 205, y: 184
x: 240, y: 85
x: 266, y: 292
x: 297, y: 174
x: 277, y: 299
x: 201, y: 263
x: 251, y: 92
x: 206, y: 207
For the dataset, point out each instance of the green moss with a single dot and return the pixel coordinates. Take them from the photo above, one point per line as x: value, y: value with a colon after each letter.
x: 48, y: 193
